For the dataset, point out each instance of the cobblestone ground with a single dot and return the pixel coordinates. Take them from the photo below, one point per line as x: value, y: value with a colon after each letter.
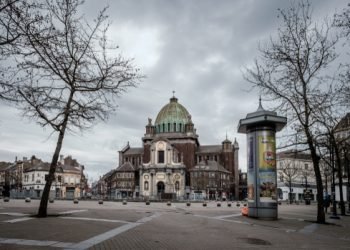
x: 88, y: 225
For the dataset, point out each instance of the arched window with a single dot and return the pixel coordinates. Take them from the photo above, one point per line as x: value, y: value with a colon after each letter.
x: 158, y: 128
x: 163, y: 128
x: 168, y: 127
x: 180, y: 127
x: 174, y: 127
x: 146, y: 185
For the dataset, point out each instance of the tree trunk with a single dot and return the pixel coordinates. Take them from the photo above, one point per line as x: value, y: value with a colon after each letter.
x: 290, y: 192
x: 340, y: 183
x: 46, y: 193
x: 321, y: 218
x: 42, y: 212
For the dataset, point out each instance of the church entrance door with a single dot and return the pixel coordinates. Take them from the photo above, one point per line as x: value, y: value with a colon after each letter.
x: 160, y: 188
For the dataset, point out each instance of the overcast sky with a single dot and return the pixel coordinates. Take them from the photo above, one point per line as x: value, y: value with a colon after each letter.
x: 196, y: 48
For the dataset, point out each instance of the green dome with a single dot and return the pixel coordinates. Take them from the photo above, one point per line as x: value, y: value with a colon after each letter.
x: 172, y: 117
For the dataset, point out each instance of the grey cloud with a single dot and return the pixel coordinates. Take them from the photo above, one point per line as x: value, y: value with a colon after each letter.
x: 204, y: 47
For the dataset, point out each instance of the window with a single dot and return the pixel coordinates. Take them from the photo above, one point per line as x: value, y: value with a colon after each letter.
x: 177, y: 186
x: 32, y: 177
x: 306, y: 166
x: 174, y: 127
x: 160, y: 156
x: 180, y: 127
x: 146, y: 185
x: 168, y: 127
x: 281, y: 178
x: 163, y: 127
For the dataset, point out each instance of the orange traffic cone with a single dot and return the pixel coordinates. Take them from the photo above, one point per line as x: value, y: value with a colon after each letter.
x: 244, y: 211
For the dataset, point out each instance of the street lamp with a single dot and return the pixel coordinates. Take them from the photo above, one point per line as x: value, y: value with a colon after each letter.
x: 327, y: 172
x: 334, y: 210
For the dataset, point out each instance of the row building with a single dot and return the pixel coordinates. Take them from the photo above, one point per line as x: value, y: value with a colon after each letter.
x: 27, y: 178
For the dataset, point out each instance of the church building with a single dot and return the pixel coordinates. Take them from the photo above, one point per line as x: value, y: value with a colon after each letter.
x: 172, y: 164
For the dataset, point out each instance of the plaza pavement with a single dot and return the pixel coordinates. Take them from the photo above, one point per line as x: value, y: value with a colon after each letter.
x: 112, y: 225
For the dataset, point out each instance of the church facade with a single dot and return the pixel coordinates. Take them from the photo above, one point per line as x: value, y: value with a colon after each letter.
x: 172, y: 164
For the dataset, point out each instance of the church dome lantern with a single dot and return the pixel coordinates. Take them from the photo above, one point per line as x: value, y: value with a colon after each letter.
x: 172, y: 118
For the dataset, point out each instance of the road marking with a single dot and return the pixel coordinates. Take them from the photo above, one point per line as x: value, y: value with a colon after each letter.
x: 309, y: 228
x: 227, y: 216
x: 34, y: 242
x: 18, y: 220
x: 94, y: 219
x: 303, y: 215
x: 148, y: 218
x: 215, y: 218
x: 111, y: 233
x: 15, y: 214
x: 73, y: 211
x: 290, y: 218
x: 102, y: 237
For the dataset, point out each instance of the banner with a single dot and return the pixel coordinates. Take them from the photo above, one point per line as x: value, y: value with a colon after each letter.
x: 267, y: 168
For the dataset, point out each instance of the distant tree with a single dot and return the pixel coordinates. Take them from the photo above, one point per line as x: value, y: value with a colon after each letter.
x: 289, y: 170
x: 66, y: 74
x: 342, y: 21
x: 10, y: 34
x: 290, y: 72
x: 331, y: 146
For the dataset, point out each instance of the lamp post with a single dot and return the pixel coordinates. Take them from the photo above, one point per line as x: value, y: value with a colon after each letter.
x: 334, y: 210
x: 347, y: 166
x: 306, y: 193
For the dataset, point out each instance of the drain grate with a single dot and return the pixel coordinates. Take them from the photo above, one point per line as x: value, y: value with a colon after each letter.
x: 255, y: 241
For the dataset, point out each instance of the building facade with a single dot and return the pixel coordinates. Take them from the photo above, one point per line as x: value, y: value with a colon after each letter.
x: 171, y: 152
x: 295, y: 176
x: 342, y: 134
x: 27, y: 178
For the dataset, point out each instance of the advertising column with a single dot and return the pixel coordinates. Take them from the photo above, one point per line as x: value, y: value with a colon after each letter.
x: 262, y: 178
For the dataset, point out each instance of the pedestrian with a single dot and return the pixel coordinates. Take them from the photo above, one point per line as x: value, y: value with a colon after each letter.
x: 326, y: 203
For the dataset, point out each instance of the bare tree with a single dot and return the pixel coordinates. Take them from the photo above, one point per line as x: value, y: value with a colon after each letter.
x: 342, y: 21
x: 66, y: 76
x: 10, y: 34
x: 290, y: 71
x: 289, y: 169
x: 331, y: 147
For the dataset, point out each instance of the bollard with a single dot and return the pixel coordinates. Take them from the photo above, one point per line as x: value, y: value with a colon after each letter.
x: 125, y: 202
x: 147, y: 203
x: 51, y: 200
x: 168, y: 203
x: 238, y: 205
x: 100, y: 202
x: 6, y: 199
x: 75, y: 201
x: 229, y: 204
x: 204, y: 204
x: 27, y: 199
x: 218, y: 204
x: 188, y: 204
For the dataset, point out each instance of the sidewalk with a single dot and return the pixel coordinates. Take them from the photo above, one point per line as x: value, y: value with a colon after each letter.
x: 88, y: 225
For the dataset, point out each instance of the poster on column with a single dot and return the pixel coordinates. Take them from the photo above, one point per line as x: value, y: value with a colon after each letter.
x: 251, y: 175
x: 267, y: 168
